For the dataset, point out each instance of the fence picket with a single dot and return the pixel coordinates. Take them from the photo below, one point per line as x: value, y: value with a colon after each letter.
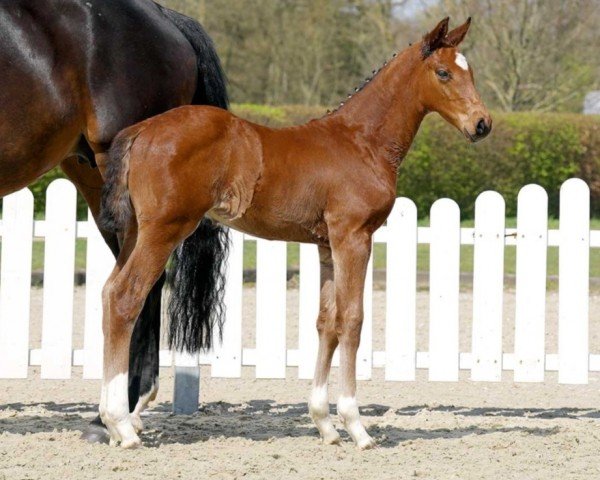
x: 271, y: 355
x: 530, y: 311
x: 401, y: 290
x: 99, y: 263
x: 488, y: 286
x: 271, y: 276
x: 15, y: 280
x: 443, y: 290
x: 59, y: 270
x: 308, y: 309
x: 573, y: 289
x: 227, y: 360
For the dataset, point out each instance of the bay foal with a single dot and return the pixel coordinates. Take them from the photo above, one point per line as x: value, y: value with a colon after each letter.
x: 331, y: 182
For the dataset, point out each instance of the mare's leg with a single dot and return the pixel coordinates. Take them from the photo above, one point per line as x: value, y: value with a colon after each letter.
x: 124, y: 297
x: 350, y: 256
x: 328, y: 341
x: 144, y: 348
x: 89, y: 182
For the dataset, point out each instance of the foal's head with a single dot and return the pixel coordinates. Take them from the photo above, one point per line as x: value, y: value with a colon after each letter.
x: 446, y: 84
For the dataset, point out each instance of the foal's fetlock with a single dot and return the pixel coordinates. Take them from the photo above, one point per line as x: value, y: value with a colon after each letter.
x: 331, y: 437
x: 350, y: 417
x: 122, y: 431
x: 114, y: 439
x: 318, y: 407
x: 327, y: 431
x: 357, y: 431
x: 127, y: 434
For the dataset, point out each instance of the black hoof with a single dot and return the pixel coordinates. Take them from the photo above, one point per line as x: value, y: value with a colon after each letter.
x: 96, y: 432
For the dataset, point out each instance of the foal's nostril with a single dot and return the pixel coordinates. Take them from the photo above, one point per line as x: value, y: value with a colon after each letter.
x: 481, y: 128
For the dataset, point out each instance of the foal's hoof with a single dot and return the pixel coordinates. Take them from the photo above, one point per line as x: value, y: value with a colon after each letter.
x: 96, y: 433
x: 366, y: 443
x: 130, y: 443
x: 332, y: 438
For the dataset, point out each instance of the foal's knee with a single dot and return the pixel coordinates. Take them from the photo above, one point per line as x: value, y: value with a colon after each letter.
x: 106, y: 289
x: 326, y: 321
x: 124, y: 305
x: 106, y: 293
x: 348, y: 323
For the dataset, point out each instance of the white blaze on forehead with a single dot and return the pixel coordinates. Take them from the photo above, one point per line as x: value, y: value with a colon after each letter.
x: 461, y: 61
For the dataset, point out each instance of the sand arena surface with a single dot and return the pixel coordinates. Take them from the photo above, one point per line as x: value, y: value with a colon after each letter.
x: 260, y: 429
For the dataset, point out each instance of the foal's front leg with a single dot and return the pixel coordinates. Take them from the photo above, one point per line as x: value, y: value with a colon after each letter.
x: 351, y: 257
x: 328, y: 341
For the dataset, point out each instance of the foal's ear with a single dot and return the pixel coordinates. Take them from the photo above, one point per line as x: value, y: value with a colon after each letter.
x: 434, y: 39
x: 457, y: 35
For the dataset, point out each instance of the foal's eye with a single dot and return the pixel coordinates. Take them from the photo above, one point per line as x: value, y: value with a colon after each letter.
x: 442, y: 74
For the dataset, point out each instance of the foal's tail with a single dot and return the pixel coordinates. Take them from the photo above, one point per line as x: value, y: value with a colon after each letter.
x: 116, y: 210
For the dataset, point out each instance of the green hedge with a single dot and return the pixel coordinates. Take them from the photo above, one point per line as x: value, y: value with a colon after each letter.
x: 523, y: 148
x: 278, y: 116
x: 39, y: 194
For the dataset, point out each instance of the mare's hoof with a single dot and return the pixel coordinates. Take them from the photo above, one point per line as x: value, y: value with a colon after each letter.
x: 95, y: 433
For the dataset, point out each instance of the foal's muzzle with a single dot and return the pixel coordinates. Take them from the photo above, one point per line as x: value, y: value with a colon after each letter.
x: 481, y: 130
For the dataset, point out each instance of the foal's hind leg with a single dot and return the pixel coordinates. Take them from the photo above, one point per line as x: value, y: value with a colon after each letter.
x: 328, y: 341
x: 144, y: 348
x: 125, y: 296
x: 350, y: 256
x: 144, y: 355
x: 95, y: 431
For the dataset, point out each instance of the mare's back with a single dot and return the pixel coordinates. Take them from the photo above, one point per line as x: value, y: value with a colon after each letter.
x: 102, y: 63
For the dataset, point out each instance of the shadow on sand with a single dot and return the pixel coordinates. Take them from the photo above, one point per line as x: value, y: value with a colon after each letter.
x: 264, y: 420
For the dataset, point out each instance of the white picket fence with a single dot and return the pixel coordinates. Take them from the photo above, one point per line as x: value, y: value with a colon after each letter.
x: 271, y: 356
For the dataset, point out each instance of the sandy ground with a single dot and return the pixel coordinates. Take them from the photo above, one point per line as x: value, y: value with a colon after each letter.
x: 255, y: 429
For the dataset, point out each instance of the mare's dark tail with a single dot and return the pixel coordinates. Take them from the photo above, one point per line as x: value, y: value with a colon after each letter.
x: 196, y: 275
x: 212, y: 83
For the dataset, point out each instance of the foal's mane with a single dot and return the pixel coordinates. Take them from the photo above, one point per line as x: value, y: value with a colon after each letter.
x: 364, y: 83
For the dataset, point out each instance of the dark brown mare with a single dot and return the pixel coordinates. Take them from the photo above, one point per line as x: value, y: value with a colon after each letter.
x: 331, y: 182
x: 73, y: 73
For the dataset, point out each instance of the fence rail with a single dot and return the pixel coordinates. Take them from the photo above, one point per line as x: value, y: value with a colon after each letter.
x: 271, y: 356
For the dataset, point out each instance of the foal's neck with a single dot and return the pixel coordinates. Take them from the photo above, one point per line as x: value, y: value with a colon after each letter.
x: 387, y: 111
